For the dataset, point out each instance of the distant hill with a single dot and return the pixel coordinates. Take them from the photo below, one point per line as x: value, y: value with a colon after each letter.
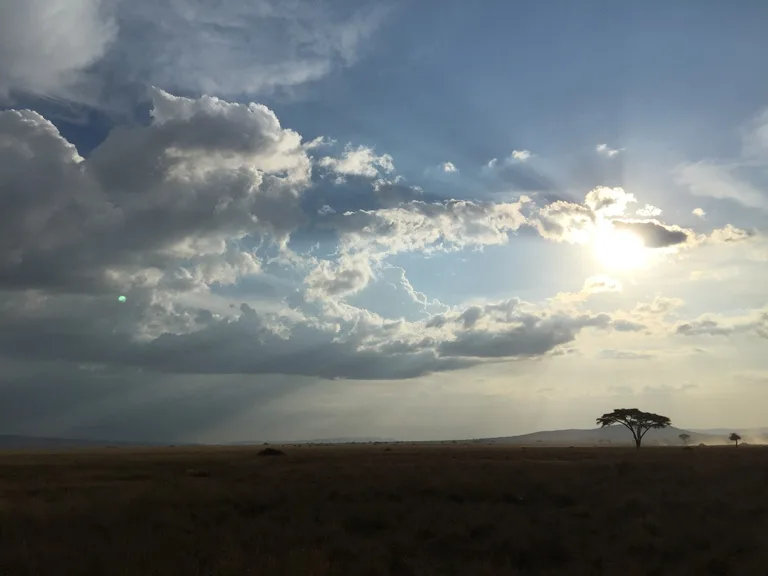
x: 752, y: 435
x: 351, y: 440
x: 610, y: 435
x: 13, y: 442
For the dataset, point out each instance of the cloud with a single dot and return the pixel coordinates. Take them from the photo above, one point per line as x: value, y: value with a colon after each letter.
x: 655, y: 234
x: 46, y: 45
x: 319, y: 142
x: 520, y: 155
x: 624, y: 325
x: 96, y: 51
x: 598, y: 284
x: 698, y: 212
x: 660, y: 306
x: 360, y: 161
x: 196, y: 342
x: 564, y: 221
x: 711, y: 180
x: 649, y: 211
x: 448, y: 167
x: 593, y: 285
x: 755, y: 322
x: 605, y: 150
x: 163, y: 336
x: 505, y: 329
x: 728, y: 234
x: 347, y: 275
x: 610, y: 354
x: 391, y: 193
x: 609, y: 202
x: 152, y: 204
x: 416, y: 226
x: 422, y: 226
x: 515, y: 173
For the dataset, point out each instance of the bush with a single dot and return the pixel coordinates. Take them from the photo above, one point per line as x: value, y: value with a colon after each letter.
x: 271, y: 452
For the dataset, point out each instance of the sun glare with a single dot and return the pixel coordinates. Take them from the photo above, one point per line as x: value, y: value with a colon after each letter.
x: 620, y: 249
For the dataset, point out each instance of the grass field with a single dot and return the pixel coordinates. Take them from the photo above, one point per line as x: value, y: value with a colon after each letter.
x: 386, y: 509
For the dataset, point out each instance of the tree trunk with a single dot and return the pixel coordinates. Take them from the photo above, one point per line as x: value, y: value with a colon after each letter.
x: 637, y: 442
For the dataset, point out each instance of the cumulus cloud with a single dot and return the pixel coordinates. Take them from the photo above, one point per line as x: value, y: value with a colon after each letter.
x: 45, y: 45
x: 319, y: 142
x: 418, y: 226
x: 754, y: 322
x: 391, y: 193
x: 150, y: 202
x: 163, y: 336
x: 422, y: 226
x: 660, y: 305
x: 360, y: 161
x: 563, y: 221
x: 606, y: 150
x: 520, y: 155
x: 448, y: 167
x: 601, y: 213
x: 63, y: 47
x: 167, y: 211
x: 609, y: 202
x: 505, y: 329
x: 728, y: 234
x: 347, y: 275
x: 649, y: 211
x: 698, y: 212
x: 655, y: 234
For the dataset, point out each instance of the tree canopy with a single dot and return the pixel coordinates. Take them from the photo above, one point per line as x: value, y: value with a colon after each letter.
x: 634, y: 420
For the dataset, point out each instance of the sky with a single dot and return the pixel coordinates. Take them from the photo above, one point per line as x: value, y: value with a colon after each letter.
x: 282, y: 220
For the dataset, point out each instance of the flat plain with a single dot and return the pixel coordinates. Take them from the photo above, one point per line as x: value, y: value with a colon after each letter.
x: 382, y: 509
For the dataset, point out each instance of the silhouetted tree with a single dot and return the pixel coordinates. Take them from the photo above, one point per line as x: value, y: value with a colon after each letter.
x: 634, y: 420
x: 734, y: 438
x: 684, y: 437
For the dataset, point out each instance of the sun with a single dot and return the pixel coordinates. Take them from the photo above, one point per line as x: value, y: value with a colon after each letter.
x: 620, y: 249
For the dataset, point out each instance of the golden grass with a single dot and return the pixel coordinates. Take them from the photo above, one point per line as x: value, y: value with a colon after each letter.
x: 385, y: 509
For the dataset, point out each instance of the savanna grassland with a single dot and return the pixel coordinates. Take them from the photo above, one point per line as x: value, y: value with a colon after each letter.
x: 385, y: 509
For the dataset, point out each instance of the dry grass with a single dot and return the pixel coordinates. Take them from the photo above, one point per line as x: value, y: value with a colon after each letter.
x: 375, y: 510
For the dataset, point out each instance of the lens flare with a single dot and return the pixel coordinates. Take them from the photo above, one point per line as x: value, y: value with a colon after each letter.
x: 620, y: 249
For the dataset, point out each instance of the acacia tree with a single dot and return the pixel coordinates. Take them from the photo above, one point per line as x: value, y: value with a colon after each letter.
x: 636, y: 421
x: 734, y: 438
x: 684, y: 437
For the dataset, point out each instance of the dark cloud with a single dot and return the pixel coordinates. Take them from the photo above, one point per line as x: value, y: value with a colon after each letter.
x: 756, y: 323
x: 653, y: 233
x: 533, y: 337
x: 628, y: 326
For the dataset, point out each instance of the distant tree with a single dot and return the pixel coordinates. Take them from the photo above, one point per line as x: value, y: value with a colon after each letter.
x: 634, y: 420
x: 684, y: 437
x: 734, y: 438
